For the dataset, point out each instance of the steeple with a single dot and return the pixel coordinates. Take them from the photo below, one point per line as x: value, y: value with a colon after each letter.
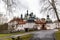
x: 31, y: 14
x: 47, y: 16
x: 48, y: 19
x: 27, y: 12
x: 21, y: 16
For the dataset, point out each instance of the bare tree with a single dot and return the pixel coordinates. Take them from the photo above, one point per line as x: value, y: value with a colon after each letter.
x: 51, y: 6
x: 10, y: 4
x: 55, y: 9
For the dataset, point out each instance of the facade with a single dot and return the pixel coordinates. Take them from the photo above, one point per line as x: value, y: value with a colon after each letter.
x: 40, y: 23
x: 57, y: 24
x: 49, y: 23
x: 21, y: 23
x: 13, y: 24
x: 30, y: 21
x: 17, y: 24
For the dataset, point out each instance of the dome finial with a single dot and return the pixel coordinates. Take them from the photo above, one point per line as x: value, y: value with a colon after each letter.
x: 47, y: 15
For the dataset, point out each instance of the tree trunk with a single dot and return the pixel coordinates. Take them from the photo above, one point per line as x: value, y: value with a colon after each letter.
x: 54, y: 8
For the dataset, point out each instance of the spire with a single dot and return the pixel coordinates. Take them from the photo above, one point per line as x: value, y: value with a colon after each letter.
x: 47, y: 16
x: 31, y: 14
x: 48, y: 19
x: 27, y: 12
x: 21, y: 16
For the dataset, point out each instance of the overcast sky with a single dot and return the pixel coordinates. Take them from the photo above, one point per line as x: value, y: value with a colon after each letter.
x: 21, y: 6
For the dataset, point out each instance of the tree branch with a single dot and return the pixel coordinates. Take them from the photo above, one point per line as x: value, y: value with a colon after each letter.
x: 49, y: 2
x: 55, y: 9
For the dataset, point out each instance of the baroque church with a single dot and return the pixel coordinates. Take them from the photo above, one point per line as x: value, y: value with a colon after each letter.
x: 29, y: 17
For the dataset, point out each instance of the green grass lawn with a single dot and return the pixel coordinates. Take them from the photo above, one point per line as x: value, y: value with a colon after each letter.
x: 57, y: 35
x: 9, y: 34
x: 4, y: 35
x: 7, y: 39
x: 25, y: 37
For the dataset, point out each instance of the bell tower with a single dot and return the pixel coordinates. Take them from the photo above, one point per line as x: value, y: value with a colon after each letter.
x: 27, y: 12
x: 47, y: 16
x: 21, y: 16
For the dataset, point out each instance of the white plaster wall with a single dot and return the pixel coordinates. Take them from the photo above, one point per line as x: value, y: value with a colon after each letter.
x: 19, y: 27
x: 51, y: 25
x: 39, y: 26
x: 57, y: 25
x: 29, y: 25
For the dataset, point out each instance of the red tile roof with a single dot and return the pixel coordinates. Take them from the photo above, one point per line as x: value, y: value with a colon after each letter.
x: 40, y: 21
x: 15, y: 19
x: 18, y: 20
x: 21, y: 22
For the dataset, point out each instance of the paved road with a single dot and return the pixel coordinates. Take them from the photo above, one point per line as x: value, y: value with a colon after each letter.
x: 43, y: 35
x: 37, y: 35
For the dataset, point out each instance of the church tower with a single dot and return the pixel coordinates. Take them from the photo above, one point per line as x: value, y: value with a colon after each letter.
x: 48, y: 19
x: 21, y: 16
x: 27, y: 13
x: 47, y: 16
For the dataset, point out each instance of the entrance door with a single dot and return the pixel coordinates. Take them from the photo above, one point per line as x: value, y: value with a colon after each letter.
x: 43, y: 27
